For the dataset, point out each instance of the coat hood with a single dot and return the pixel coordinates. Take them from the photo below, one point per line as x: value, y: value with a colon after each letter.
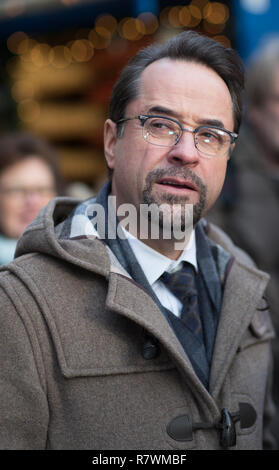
x: 43, y: 236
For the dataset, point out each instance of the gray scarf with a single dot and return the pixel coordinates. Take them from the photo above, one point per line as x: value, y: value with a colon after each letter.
x: 212, y: 262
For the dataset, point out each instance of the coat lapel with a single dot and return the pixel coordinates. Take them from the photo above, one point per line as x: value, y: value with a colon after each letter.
x: 129, y: 299
x: 239, y: 306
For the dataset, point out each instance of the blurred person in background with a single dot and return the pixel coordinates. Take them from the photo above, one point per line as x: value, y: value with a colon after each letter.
x: 249, y: 209
x: 29, y: 178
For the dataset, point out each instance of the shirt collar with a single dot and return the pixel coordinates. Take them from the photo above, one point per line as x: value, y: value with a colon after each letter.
x: 154, y: 264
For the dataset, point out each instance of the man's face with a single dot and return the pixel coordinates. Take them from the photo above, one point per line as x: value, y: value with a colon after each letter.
x: 193, y: 94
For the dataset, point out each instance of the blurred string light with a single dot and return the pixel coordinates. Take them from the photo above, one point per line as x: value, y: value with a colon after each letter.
x: 22, y: 89
x: 106, y: 25
x: 40, y: 55
x: 60, y: 56
x: 28, y: 110
x: 131, y: 29
x: 81, y: 49
x: 30, y: 55
x: 98, y: 40
x: 14, y: 41
x: 212, y: 16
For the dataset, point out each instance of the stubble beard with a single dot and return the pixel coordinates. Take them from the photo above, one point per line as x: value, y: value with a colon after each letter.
x: 184, y: 219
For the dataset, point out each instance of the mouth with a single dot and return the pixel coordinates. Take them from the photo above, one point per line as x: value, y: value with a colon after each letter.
x: 176, y: 184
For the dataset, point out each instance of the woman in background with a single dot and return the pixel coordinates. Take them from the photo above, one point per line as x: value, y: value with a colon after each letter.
x: 29, y: 178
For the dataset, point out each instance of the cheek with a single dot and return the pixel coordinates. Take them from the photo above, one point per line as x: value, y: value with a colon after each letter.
x: 9, y: 223
x: 131, y: 162
x: 9, y: 208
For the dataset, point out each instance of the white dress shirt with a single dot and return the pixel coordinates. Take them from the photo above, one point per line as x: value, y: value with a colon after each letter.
x: 154, y: 264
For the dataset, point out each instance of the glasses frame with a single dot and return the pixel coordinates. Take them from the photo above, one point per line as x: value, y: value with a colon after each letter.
x: 144, y: 117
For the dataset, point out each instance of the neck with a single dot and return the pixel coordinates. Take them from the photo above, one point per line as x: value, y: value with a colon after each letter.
x: 168, y: 246
x: 167, y: 240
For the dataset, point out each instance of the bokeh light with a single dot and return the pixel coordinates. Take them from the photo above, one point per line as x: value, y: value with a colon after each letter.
x: 82, y: 50
x: 149, y: 21
x: 185, y: 16
x: 106, y: 25
x: 173, y: 17
x: 28, y: 110
x: 216, y: 13
x: 25, y: 46
x: 98, y: 41
x: 40, y: 55
x: 60, y: 56
x: 14, y: 41
x: 131, y: 29
x: 196, y: 15
x: 22, y: 90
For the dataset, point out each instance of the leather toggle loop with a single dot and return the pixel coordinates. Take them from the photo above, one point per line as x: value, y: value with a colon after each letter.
x: 181, y: 428
x: 227, y: 429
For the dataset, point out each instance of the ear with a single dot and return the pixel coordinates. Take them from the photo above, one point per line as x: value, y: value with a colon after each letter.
x: 110, y: 139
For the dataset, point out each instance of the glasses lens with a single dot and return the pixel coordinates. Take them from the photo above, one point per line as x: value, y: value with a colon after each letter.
x: 212, y: 141
x: 21, y: 192
x: 161, y: 131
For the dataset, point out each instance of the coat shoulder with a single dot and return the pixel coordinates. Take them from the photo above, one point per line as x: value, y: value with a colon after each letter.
x: 217, y: 235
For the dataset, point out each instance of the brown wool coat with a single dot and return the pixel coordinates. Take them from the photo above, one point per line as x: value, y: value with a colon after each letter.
x: 72, y: 373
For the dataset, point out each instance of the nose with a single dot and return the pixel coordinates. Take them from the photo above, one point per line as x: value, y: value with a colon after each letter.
x: 184, y: 152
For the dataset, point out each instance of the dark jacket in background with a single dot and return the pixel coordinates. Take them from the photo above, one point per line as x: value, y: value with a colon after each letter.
x: 248, y: 210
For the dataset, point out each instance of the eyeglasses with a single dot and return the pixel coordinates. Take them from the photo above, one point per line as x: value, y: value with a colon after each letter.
x: 165, y: 132
x: 21, y: 192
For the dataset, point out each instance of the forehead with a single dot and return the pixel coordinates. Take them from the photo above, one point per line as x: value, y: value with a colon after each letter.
x: 190, y: 89
x: 31, y: 169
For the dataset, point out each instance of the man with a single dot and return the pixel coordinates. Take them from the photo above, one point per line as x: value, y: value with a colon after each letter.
x: 98, y: 349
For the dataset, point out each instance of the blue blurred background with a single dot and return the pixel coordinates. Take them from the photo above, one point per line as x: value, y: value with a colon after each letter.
x: 59, y: 59
x: 253, y: 21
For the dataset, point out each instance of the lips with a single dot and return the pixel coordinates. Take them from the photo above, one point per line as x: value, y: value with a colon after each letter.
x: 176, y: 183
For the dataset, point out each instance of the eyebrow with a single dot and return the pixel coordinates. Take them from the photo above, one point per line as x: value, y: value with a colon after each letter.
x: 202, y: 122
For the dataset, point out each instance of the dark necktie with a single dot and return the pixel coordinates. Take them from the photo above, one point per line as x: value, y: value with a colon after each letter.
x: 183, y: 285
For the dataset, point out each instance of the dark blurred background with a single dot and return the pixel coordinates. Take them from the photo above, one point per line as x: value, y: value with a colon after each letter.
x: 59, y: 59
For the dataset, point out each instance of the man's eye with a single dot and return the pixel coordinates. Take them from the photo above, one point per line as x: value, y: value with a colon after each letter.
x: 162, y: 125
x: 209, y: 136
x: 159, y: 124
